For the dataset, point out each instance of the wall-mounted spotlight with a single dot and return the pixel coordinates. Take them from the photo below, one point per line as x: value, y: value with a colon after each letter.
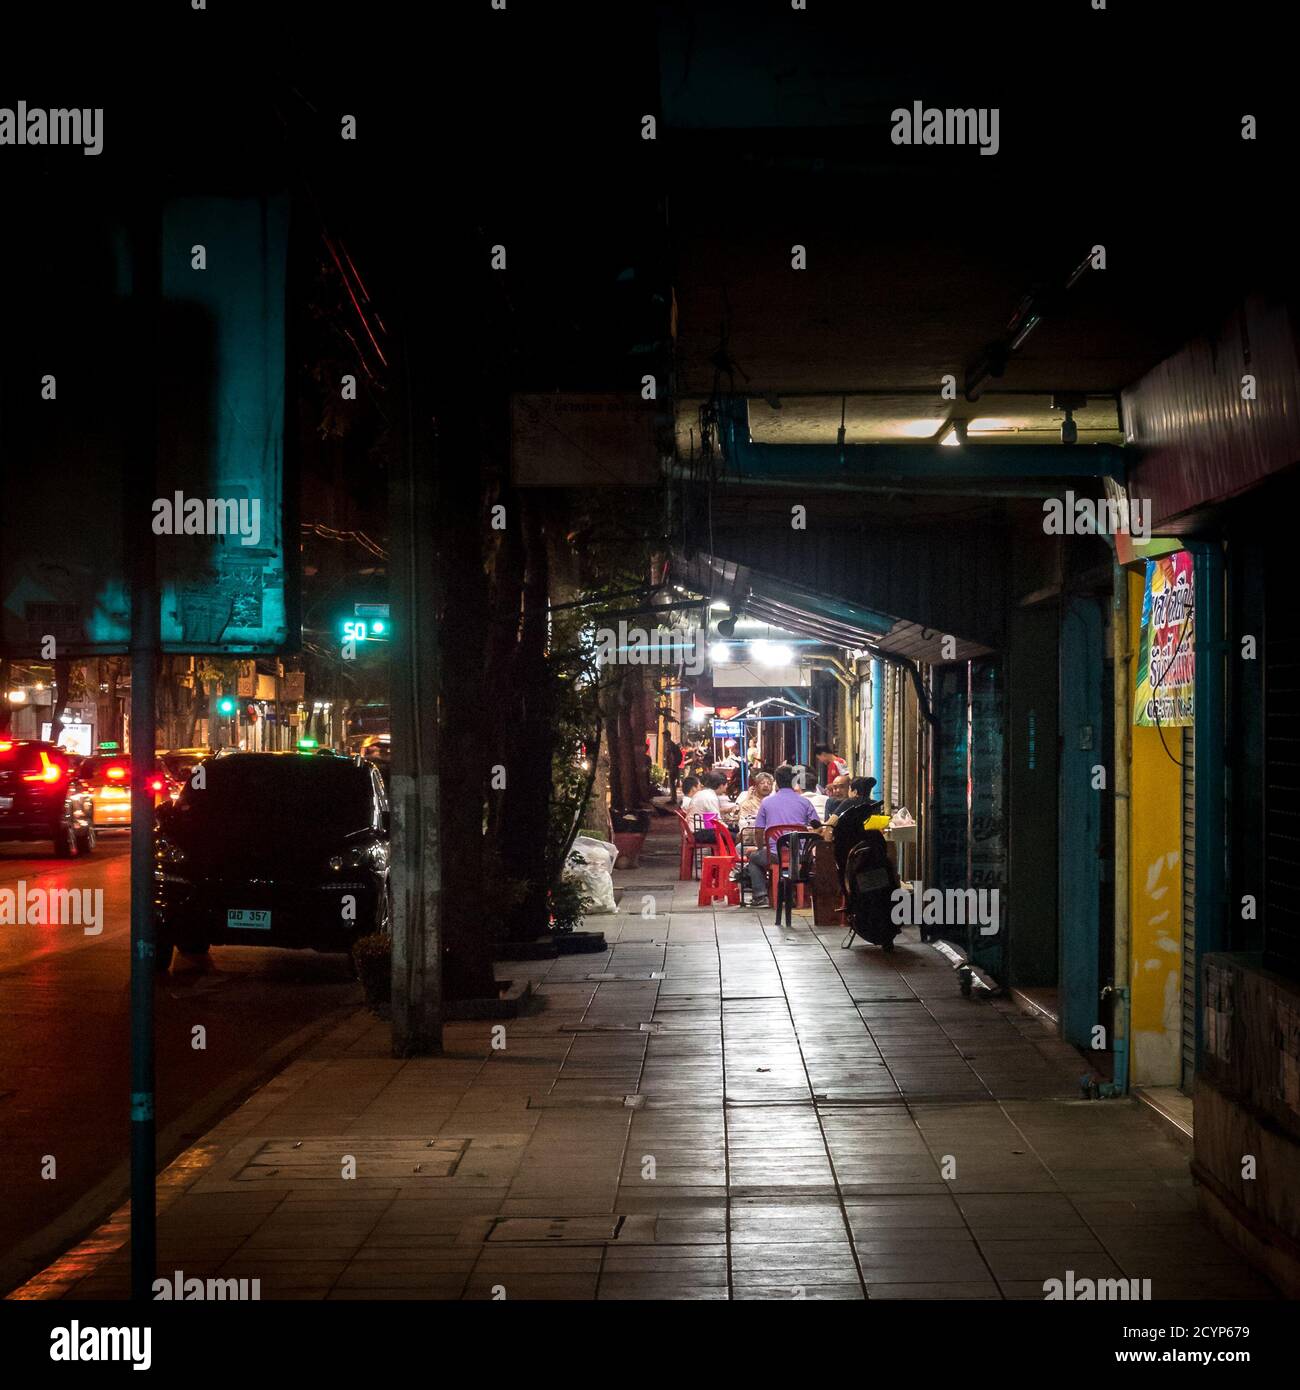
x: 1069, y: 402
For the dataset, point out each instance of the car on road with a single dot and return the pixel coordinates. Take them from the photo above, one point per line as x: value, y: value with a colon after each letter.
x: 180, y: 762
x: 275, y: 849
x: 108, y: 780
x: 41, y: 799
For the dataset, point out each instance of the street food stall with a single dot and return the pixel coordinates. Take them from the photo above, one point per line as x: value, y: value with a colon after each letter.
x: 781, y: 729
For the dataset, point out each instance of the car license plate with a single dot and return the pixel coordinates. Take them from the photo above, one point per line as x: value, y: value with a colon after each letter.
x: 249, y: 917
x: 6, y: 802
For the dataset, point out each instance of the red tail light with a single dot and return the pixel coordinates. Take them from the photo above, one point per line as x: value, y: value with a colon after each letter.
x: 156, y: 784
x: 50, y: 772
x: 5, y: 747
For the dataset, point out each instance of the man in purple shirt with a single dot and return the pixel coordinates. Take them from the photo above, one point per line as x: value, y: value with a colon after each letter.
x: 784, y: 807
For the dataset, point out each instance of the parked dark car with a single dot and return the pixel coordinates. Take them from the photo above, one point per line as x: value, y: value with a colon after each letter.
x: 40, y: 799
x: 274, y: 849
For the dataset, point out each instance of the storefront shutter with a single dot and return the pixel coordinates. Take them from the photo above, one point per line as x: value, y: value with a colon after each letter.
x: 1281, y: 914
x: 1189, y: 909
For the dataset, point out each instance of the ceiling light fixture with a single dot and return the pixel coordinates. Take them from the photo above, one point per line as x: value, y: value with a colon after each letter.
x: 955, y: 436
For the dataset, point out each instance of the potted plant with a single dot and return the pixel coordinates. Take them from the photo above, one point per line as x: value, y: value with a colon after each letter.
x: 372, y: 959
x: 567, y: 902
x: 630, y: 829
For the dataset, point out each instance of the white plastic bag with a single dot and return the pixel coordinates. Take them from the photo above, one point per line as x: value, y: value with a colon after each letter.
x: 593, y: 873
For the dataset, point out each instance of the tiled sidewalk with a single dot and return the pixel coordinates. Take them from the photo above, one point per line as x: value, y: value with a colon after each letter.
x: 715, y: 1108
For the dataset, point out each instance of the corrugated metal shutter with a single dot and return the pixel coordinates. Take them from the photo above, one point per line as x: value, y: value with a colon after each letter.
x: 1281, y: 770
x: 896, y: 742
x: 1189, y: 909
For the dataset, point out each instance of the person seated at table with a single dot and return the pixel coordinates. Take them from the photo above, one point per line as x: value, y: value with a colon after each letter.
x: 752, y: 798
x: 858, y: 789
x: 690, y: 785
x: 836, y: 794
x: 784, y: 806
x: 709, y: 806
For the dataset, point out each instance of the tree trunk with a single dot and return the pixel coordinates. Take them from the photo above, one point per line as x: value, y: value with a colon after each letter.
x: 467, y: 936
x: 196, y: 707
x: 504, y: 702
x: 626, y: 745
x: 595, y: 817
x: 526, y: 804
x: 59, y: 696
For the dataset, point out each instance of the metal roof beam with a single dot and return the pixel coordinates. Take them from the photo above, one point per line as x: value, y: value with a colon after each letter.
x: 921, y: 461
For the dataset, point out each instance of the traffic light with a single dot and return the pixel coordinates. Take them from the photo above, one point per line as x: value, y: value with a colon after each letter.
x: 365, y: 629
x: 226, y: 706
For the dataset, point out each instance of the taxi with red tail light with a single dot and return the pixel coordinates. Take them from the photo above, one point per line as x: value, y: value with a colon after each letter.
x: 108, y: 780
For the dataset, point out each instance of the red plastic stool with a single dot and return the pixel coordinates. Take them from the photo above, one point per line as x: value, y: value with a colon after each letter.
x: 716, y: 880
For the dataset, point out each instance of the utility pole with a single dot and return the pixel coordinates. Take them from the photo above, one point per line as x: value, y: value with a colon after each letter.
x: 415, y: 677
x: 146, y: 292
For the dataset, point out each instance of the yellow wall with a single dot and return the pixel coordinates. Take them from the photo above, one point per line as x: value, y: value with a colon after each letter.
x: 1155, y: 889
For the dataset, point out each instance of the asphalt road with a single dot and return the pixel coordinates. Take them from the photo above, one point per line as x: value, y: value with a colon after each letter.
x: 65, y: 1039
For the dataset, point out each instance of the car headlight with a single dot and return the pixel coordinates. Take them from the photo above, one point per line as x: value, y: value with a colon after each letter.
x: 362, y: 858
x: 169, y: 853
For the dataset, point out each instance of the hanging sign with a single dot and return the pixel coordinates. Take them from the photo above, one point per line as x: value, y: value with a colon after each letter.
x: 1166, y: 659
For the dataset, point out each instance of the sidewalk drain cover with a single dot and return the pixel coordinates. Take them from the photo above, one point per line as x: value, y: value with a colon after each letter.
x: 609, y: 1028
x: 572, y: 1230
x: 847, y: 1099
x: 282, y: 1160
x: 585, y: 1102
x: 644, y: 975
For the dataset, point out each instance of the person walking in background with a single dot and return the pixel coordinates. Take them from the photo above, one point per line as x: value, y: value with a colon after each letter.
x: 672, y: 763
x: 829, y: 766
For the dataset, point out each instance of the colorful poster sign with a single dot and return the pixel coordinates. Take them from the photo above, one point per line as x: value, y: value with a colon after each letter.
x: 1166, y: 657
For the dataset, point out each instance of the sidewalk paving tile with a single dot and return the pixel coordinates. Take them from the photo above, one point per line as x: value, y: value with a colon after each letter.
x: 809, y: 1122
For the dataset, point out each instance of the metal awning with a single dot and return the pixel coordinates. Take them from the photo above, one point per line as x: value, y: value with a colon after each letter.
x: 809, y: 613
x: 784, y: 708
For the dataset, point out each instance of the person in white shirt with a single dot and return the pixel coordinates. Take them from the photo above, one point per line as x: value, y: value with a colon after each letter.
x: 709, y: 806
